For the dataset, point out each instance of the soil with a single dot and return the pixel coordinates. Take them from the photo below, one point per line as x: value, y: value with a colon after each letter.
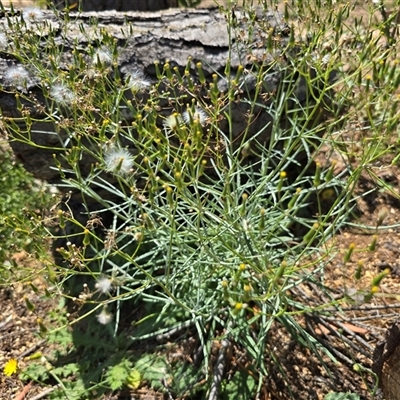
x: 351, y: 334
x: 19, y: 333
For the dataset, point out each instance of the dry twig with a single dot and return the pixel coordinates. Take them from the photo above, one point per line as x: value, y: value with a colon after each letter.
x: 25, y: 390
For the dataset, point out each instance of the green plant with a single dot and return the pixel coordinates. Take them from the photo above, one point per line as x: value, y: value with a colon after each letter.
x: 170, y: 208
x: 22, y: 204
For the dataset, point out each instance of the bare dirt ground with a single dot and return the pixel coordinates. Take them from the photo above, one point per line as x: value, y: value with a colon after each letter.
x: 351, y: 335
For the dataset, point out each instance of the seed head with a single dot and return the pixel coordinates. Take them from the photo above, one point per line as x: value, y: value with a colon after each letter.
x: 17, y: 76
x: 198, y: 114
x: 62, y: 94
x: 103, y: 55
x: 104, y: 317
x: 172, y: 122
x: 118, y: 161
x: 104, y: 285
x: 32, y: 14
x: 137, y: 80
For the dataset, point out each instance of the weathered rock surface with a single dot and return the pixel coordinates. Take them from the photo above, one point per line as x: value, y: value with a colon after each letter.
x: 119, y: 5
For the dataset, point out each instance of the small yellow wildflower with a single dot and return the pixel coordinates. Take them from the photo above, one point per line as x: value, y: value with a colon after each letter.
x: 11, y: 367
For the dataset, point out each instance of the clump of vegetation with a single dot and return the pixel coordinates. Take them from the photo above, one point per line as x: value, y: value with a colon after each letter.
x: 22, y: 202
x: 176, y: 225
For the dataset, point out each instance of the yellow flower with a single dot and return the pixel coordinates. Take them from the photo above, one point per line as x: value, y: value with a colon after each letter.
x: 11, y: 367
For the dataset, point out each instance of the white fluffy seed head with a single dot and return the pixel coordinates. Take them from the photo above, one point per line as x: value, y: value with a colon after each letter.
x: 62, y: 94
x: 103, y: 55
x: 32, y: 14
x: 118, y: 161
x: 104, y: 317
x: 198, y: 114
x: 104, y: 285
x: 172, y: 122
x: 17, y: 76
x: 137, y: 80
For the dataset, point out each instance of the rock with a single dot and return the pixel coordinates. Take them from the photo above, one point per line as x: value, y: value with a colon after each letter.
x: 118, y: 5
